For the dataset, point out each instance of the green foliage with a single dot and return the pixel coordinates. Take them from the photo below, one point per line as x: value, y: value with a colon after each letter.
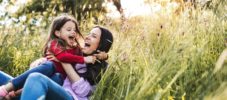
x: 158, y: 57
x: 44, y: 10
x: 18, y: 50
x: 166, y: 57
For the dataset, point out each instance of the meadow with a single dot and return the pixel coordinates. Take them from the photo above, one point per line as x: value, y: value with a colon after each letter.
x: 164, y: 56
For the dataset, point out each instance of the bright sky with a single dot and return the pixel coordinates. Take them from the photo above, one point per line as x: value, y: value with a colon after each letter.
x: 133, y: 8
x: 130, y: 7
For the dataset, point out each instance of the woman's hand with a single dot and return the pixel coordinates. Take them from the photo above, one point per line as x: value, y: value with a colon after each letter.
x: 37, y: 62
x: 51, y: 57
x: 101, y: 55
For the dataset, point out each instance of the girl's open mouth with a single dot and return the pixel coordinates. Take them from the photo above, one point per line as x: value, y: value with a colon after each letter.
x: 87, y: 45
x: 71, y: 37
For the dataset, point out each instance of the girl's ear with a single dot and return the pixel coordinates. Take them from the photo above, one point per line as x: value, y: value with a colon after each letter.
x: 57, y: 33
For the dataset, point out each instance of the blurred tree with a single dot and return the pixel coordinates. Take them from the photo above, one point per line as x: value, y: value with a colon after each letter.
x: 44, y: 10
x: 117, y: 3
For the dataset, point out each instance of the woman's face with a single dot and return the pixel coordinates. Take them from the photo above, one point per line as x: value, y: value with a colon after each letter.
x: 92, y: 41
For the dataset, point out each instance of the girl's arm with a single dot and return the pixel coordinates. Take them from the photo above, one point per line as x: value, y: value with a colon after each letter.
x: 72, y: 75
x: 66, y: 57
x: 69, y: 58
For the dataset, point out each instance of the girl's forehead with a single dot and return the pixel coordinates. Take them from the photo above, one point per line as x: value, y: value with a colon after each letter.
x: 69, y: 24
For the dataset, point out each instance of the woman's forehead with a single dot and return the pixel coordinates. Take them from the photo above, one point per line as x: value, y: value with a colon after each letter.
x: 96, y: 31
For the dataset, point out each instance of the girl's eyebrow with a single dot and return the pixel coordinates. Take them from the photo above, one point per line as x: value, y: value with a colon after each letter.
x: 70, y: 27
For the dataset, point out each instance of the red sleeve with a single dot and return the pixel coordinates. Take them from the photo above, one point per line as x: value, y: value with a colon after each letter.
x: 69, y: 58
x: 55, y: 48
x: 62, y: 55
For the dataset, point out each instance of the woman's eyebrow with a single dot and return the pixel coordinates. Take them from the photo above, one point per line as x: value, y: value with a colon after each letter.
x: 93, y: 33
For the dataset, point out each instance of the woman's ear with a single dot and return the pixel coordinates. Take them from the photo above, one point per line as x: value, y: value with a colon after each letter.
x: 57, y: 33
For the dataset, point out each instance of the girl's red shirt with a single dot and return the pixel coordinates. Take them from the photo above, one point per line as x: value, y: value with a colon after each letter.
x: 72, y: 56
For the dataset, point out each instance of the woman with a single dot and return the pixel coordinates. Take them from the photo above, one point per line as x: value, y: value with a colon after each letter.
x: 79, y: 81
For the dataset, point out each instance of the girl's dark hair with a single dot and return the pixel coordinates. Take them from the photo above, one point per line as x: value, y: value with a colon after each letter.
x: 94, y: 71
x: 56, y: 25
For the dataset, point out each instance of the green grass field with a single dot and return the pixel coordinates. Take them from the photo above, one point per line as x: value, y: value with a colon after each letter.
x: 153, y: 57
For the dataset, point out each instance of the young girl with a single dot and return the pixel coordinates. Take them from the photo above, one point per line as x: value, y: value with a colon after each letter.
x: 63, y: 44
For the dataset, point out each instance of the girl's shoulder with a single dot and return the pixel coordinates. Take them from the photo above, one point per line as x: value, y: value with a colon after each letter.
x: 54, y: 41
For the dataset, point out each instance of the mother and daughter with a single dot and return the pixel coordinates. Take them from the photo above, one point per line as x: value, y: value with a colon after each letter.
x: 80, y: 68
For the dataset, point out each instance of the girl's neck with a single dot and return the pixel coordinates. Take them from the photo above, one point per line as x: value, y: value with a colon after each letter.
x: 71, y: 47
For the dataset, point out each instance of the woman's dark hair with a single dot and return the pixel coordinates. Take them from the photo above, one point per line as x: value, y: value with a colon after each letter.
x: 94, y: 71
x: 56, y: 25
x: 106, y: 39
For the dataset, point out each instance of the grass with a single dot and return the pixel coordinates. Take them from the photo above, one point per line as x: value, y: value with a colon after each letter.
x: 154, y: 57
x: 166, y: 57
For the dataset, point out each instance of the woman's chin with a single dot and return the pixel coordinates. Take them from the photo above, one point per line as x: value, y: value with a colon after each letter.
x: 87, y: 50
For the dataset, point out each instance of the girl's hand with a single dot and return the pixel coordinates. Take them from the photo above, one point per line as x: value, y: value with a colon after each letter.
x: 101, y: 55
x: 90, y: 59
x: 13, y: 94
x: 37, y: 62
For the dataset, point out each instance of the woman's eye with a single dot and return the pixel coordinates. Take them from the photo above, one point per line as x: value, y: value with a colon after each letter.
x: 94, y: 36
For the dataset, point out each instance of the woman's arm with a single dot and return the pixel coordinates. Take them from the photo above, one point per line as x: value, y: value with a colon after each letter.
x: 72, y: 75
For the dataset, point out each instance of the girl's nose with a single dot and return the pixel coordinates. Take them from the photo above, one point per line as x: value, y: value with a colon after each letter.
x: 73, y: 32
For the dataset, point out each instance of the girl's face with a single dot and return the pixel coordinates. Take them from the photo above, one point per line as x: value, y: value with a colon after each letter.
x: 92, y: 41
x: 67, y: 33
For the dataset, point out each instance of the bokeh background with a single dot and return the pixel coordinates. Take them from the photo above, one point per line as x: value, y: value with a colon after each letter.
x: 163, y: 49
